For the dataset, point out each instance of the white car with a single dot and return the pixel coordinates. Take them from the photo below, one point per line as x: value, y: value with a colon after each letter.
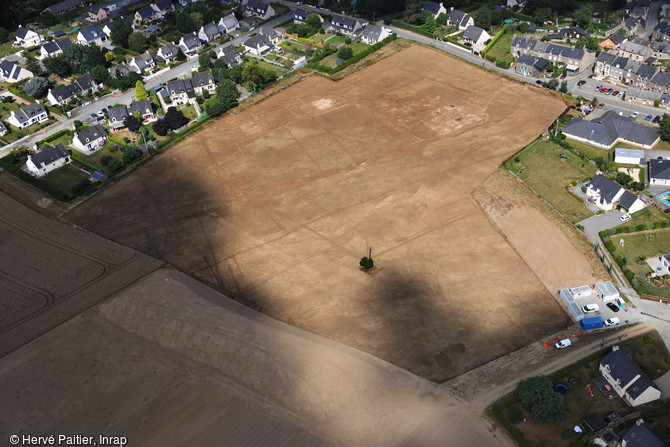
x: 634, y: 114
x: 590, y: 308
x: 620, y: 95
x: 194, y: 68
x: 563, y: 343
x: 625, y: 218
x: 612, y: 321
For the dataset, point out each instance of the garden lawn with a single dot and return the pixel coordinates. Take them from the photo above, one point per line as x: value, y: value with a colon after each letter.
x: 591, y: 152
x: 541, y: 167
x: 649, y: 243
x: 95, y: 158
x: 7, y: 108
x: 277, y: 70
x: 501, y: 47
x: 649, y: 352
x: 64, y: 139
x: 189, y: 112
x: 63, y: 179
x: 7, y: 48
x: 649, y: 215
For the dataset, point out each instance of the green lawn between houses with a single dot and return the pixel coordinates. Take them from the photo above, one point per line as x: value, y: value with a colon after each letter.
x: 501, y: 47
x: 64, y: 179
x: 650, y: 354
x: 542, y: 168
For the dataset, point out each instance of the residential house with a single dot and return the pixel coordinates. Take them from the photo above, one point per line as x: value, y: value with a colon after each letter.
x: 627, y: 379
x: 512, y: 3
x: 53, y: 157
x: 3, y: 129
x: 27, y: 115
x: 209, y: 32
x: 643, y: 76
x: 181, y: 91
x: 571, y: 33
x: 660, y: 83
x: 12, y: 72
x: 107, y: 29
x: 634, y: 51
x: 96, y: 13
x: 258, y: 45
x: 616, y: 68
x: 54, y: 48
x: 190, y: 44
x: 531, y: 66
x: 117, y: 117
x: 119, y: 71
x: 659, y: 172
x: 634, y: 26
x: 258, y: 9
x: 142, y: 63
x: 162, y: 7
x: 144, y: 15
x: 373, y: 34
x: 27, y: 38
x: 145, y: 109
x: 460, y: 19
x: 300, y: 15
x: 576, y: 59
x: 86, y: 83
x: 346, y: 24
x: 272, y: 34
x: 62, y: 94
x: 168, y: 53
x: 64, y: 6
x: 434, y: 8
x: 660, y: 50
x: 628, y: 156
x: 203, y: 81
x: 642, y: 434
x: 662, y: 31
x: 609, y: 129
x: 91, y: 35
x: 639, y: 96
x: 89, y: 139
x: 613, y: 41
x: 228, y: 23
x: 476, y: 36
x: 606, y: 195
x: 230, y: 55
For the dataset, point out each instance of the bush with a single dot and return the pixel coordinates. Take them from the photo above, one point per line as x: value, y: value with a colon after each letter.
x: 502, y: 63
x: 567, y: 433
x: 537, y: 395
x: 610, y: 246
x: 514, y: 415
x: 640, y: 227
x: 105, y: 160
x: 114, y: 166
x: 629, y: 275
x: 603, y: 234
x: 366, y: 263
x: 126, y: 140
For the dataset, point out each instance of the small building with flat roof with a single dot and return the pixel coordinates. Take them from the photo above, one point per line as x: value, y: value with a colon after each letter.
x: 606, y: 291
x: 628, y: 156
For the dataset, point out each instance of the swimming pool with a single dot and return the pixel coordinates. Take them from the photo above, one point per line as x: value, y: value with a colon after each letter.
x: 664, y: 198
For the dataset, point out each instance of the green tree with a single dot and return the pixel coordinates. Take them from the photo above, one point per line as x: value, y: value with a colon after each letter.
x: 227, y: 92
x: 33, y: 65
x: 215, y: 107
x: 184, y: 23
x: 665, y: 127
x: 205, y: 61
x: 483, y: 17
x: 220, y: 70
x: 236, y: 73
x: 552, y: 84
x: 442, y: 20
x: 429, y: 26
x: 313, y: 21
x: 37, y: 87
x: 255, y: 76
x: 345, y: 53
x: 537, y: 395
x: 366, y: 263
x: 130, y: 154
x: 140, y: 91
x: 583, y: 16
x: 121, y: 31
x: 4, y: 35
x: 564, y: 87
x: 114, y: 166
x: 132, y: 123
x: 590, y: 43
x: 100, y: 74
x: 196, y: 18
x: 137, y: 42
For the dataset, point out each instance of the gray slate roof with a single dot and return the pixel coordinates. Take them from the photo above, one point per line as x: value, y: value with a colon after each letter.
x: 372, y: 32
x: 643, y: 435
x: 163, y: 5
x: 118, y: 112
x: 617, y: 38
x: 627, y: 199
x: 433, y: 7
x: 458, y: 17
x: 624, y: 368
x: 608, y: 189
x: 256, y: 6
x: 56, y: 45
x: 85, y: 82
x: 229, y: 54
x: 191, y: 41
x: 92, y: 33
x: 121, y: 69
x: 91, y: 133
x: 473, y: 33
x: 143, y: 106
x: 63, y: 92
x: 230, y: 21
x: 202, y: 79
x: 663, y: 28
x: 49, y: 155
x: 211, y: 30
x: 146, y: 12
x: 659, y: 169
x: 645, y: 71
x: 257, y: 41
x: 64, y: 6
x: 609, y: 127
x: 169, y: 51
x: 7, y: 67
x: 21, y: 32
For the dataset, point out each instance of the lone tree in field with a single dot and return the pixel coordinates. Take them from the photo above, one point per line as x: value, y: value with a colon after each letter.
x: 140, y: 91
x: 537, y: 396
x: 367, y: 263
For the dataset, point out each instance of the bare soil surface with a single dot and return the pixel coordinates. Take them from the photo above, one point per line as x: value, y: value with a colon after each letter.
x: 168, y: 361
x: 50, y: 272
x: 274, y: 205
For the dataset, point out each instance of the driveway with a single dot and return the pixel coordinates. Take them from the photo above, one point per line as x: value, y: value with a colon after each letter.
x: 595, y: 224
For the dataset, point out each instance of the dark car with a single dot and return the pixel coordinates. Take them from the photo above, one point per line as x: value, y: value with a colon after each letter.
x: 657, y: 119
x: 580, y: 83
x: 467, y: 44
x: 613, y: 307
x: 538, y: 82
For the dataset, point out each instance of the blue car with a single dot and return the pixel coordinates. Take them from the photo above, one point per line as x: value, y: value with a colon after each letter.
x: 648, y: 118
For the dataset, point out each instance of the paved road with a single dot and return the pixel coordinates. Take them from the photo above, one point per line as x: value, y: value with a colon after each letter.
x: 595, y: 224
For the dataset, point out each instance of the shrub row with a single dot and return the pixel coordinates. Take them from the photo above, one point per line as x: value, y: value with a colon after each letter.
x: 497, y: 37
x: 502, y: 63
x: 413, y: 28
x: 55, y: 136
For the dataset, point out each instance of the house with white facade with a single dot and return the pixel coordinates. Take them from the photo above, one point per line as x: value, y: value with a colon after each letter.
x: 142, y: 63
x: 659, y: 172
x: 144, y: 108
x: 230, y: 55
x: 96, y: 13
x: 373, y: 34
x: 609, y: 129
x: 53, y: 157
x: 27, y: 38
x: 627, y: 379
x: 162, y: 7
x: 434, y: 8
x: 259, y: 9
x: 107, y: 29
x: 209, y: 32
x: 116, y: 118
x: 190, y: 44
x: 346, y: 24
x: 89, y: 139
x: 54, y: 48
x: 460, y: 19
x: 476, y: 36
x: 228, y: 24
x: 91, y: 35
x: 64, y: 6
x: 258, y: 45
x: 12, y: 72
x: 62, y: 94
x: 27, y: 115
x: 606, y: 195
x: 168, y: 53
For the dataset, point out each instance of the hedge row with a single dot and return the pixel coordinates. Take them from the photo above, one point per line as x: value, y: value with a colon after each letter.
x: 413, y: 28
x: 20, y: 93
x: 456, y: 42
x: 371, y: 49
x: 495, y: 39
x: 516, y: 434
x: 55, y: 136
x: 85, y: 163
x: 502, y: 63
x: 114, y: 140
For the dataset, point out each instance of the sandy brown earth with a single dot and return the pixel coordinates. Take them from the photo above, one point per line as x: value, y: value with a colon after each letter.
x: 273, y: 206
x: 50, y: 272
x: 169, y: 361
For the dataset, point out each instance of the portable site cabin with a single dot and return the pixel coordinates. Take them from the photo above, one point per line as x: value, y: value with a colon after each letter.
x: 574, y: 309
x: 581, y: 292
x: 606, y: 291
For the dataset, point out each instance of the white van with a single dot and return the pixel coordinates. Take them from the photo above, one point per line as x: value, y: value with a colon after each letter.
x: 590, y: 308
x: 563, y: 343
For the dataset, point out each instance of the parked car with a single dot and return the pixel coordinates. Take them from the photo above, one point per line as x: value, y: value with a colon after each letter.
x: 612, y: 321
x: 625, y: 218
x: 613, y: 307
x: 598, y: 87
x: 580, y: 83
x: 657, y: 119
x: 563, y: 76
x: 603, y: 90
x: 648, y: 117
x: 563, y: 343
x: 590, y: 308
x: 467, y: 44
x: 620, y: 95
x: 94, y: 116
x: 2, y: 170
x: 609, y: 91
x: 615, y: 92
x: 539, y: 82
x: 601, y: 105
x: 635, y: 114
